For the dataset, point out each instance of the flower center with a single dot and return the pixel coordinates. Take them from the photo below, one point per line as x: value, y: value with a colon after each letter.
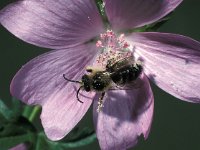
x: 113, y: 48
x: 116, y: 61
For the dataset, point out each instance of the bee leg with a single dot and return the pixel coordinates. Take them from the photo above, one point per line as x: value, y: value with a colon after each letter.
x: 100, y: 102
x: 77, y: 93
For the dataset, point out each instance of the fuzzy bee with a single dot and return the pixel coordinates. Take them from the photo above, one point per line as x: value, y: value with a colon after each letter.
x: 120, y: 73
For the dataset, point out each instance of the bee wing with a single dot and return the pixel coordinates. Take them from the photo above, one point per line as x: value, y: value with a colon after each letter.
x: 114, y: 66
x: 131, y: 86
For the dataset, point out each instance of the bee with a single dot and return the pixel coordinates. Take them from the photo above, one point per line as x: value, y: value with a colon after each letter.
x: 120, y: 73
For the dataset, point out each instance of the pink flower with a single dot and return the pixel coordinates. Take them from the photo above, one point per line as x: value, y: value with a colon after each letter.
x: 171, y: 61
x: 20, y: 147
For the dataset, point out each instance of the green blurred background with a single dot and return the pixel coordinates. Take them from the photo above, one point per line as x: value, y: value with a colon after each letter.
x: 176, y: 124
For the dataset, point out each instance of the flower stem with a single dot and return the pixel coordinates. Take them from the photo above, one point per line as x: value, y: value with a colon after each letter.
x: 34, y: 113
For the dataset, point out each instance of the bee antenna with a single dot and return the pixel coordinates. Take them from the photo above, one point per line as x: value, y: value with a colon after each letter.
x: 78, y: 93
x: 70, y: 80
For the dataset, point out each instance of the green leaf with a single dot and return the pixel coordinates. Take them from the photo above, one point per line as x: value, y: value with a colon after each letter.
x: 44, y: 143
x: 20, y: 126
x: 11, y: 141
x: 82, y: 142
x: 13, y: 113
x: 16, y: 107
x: 5, y: 111
x: 31, y: 112
x: 80, y: 134
x: 41, y: 143
x: 27, y: 110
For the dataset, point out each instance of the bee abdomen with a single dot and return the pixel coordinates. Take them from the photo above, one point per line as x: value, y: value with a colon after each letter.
x: 126, y: 74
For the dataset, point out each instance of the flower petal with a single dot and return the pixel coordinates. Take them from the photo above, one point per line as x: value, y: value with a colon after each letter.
x: 20, y: 147
x: 41, y: 81
x: 125, y: 116
x: 52, y: 24
x: 63, y: 111
x: 171, y: 61
x: 136, y: 13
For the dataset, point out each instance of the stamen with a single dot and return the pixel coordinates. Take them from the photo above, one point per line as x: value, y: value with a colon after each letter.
x: 112, y: 47
x: 99, y: 44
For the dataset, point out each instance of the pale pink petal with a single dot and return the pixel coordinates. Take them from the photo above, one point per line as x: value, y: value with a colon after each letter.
x: 41, y: 82
x: 171, y: 61
x: 20, y: 147
x: 52, y: 24
x: 126, y: 115
x: 63, y: 111
x: 125, y: 14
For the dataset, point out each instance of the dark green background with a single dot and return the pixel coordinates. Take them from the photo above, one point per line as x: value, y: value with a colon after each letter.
x: 176, y: 124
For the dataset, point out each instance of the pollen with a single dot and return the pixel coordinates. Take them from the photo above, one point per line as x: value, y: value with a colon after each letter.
x: 100, y: 105
x: 113, y: 47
